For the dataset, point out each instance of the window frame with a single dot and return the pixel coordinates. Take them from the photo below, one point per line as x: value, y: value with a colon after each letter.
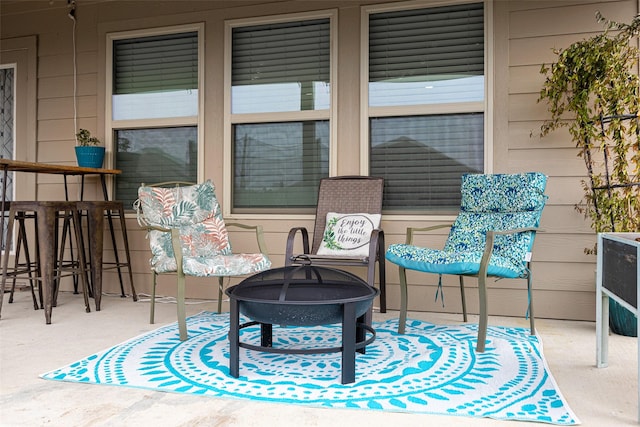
x: 367, y: 112
x: 112, y: 125
x: 231, y: 119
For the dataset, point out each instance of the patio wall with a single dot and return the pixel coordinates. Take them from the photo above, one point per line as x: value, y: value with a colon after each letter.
x: 524, y: 34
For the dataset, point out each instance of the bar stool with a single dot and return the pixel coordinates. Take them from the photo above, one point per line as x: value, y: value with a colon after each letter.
x: 29, y: 268
x: 47, y: 215
x: 96, y: 211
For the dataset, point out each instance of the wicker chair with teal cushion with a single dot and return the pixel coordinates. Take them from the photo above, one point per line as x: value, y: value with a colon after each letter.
x: 188, y: 236
x: 492, y: 236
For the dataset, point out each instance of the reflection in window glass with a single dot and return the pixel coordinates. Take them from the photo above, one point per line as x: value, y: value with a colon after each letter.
x: 154, y: 155
x: 279, y: 164
x: 434, y: 91
x: 136, y: 106
x: 279, y: 97
x: 422, y: 159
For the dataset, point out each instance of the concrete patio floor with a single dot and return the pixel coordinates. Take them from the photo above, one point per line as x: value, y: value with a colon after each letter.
x: 29, y: 347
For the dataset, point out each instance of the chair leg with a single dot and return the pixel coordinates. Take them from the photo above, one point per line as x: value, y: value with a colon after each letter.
x: 182, y: 315
x: 484, y: 317
x: 152, y: 311
x: 464, y: 299
x: 531, y: 318
x: 402, y: 321
x: 181, y: 292
x: 382, y: 278
x: 220, y: 286
x: 371, y: 280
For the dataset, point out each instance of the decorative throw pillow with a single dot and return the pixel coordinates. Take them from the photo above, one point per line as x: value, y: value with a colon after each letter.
x: 348, y: 234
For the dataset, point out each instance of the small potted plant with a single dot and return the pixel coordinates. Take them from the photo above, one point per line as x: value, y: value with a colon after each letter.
x: 89, y: 151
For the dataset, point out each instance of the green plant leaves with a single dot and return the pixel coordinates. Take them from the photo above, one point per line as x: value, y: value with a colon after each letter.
x: 592, y: 89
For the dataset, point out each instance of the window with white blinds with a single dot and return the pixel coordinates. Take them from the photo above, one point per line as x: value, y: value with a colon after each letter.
x: 280, y: 74
x: 154, y: 92
x: 280, y: 67
x: 155, y: 76
x: 419, y: 60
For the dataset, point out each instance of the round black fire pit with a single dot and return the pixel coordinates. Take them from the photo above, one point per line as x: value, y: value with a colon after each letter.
x: 302, y: 296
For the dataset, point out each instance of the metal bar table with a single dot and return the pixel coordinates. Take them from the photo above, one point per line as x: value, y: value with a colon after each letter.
x: 8, y: 165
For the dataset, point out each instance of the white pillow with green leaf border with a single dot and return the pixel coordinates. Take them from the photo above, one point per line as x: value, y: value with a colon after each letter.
x: 348, y: 234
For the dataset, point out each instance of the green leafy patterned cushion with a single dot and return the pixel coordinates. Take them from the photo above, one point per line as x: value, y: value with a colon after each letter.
x: 175, y: 206
x: 489, y: 202
x: 206, y: 249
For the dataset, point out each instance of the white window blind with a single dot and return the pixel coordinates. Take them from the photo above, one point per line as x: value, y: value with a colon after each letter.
x: 156, y: 64
x: 281, y: 67
x: 155, y: 76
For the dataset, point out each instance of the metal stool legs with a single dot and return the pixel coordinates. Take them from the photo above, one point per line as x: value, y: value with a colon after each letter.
x: 96, y: 211
x: 29, y: 267
x: 47, y: 230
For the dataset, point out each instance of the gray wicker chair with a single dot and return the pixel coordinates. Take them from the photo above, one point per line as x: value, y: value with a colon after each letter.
x: 344, y: 194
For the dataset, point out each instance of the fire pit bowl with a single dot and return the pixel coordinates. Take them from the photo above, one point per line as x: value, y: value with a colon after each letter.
x: 301, y: 296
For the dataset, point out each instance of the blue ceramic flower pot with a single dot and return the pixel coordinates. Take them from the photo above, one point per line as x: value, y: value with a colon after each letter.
x: 90, y: 156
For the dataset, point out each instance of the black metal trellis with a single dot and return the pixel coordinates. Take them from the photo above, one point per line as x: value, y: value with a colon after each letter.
x: 608, y: 186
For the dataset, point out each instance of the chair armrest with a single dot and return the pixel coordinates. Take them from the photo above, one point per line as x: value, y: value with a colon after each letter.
x: 376, y: 245
x: 291, y: 240
x: 491, y: 235
x: 414, y: 230
x: 488, y: 245
x: 142, y: 220
x: 259, y: 234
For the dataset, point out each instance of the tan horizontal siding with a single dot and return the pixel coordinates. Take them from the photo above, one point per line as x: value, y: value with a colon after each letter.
x: 526, y: 32
x: 561, y: 17
x: 561, y: 161
x: 526, y: 134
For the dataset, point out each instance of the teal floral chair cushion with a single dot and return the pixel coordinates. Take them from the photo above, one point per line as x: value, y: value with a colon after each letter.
x: 491, y: 237
x: 489, y: 202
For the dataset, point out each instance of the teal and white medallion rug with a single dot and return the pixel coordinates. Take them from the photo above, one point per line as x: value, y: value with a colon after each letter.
x: 432, y: 369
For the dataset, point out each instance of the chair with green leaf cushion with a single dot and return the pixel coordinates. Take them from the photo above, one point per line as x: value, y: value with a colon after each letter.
x: 188, y: 236
x: 492, y: 236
